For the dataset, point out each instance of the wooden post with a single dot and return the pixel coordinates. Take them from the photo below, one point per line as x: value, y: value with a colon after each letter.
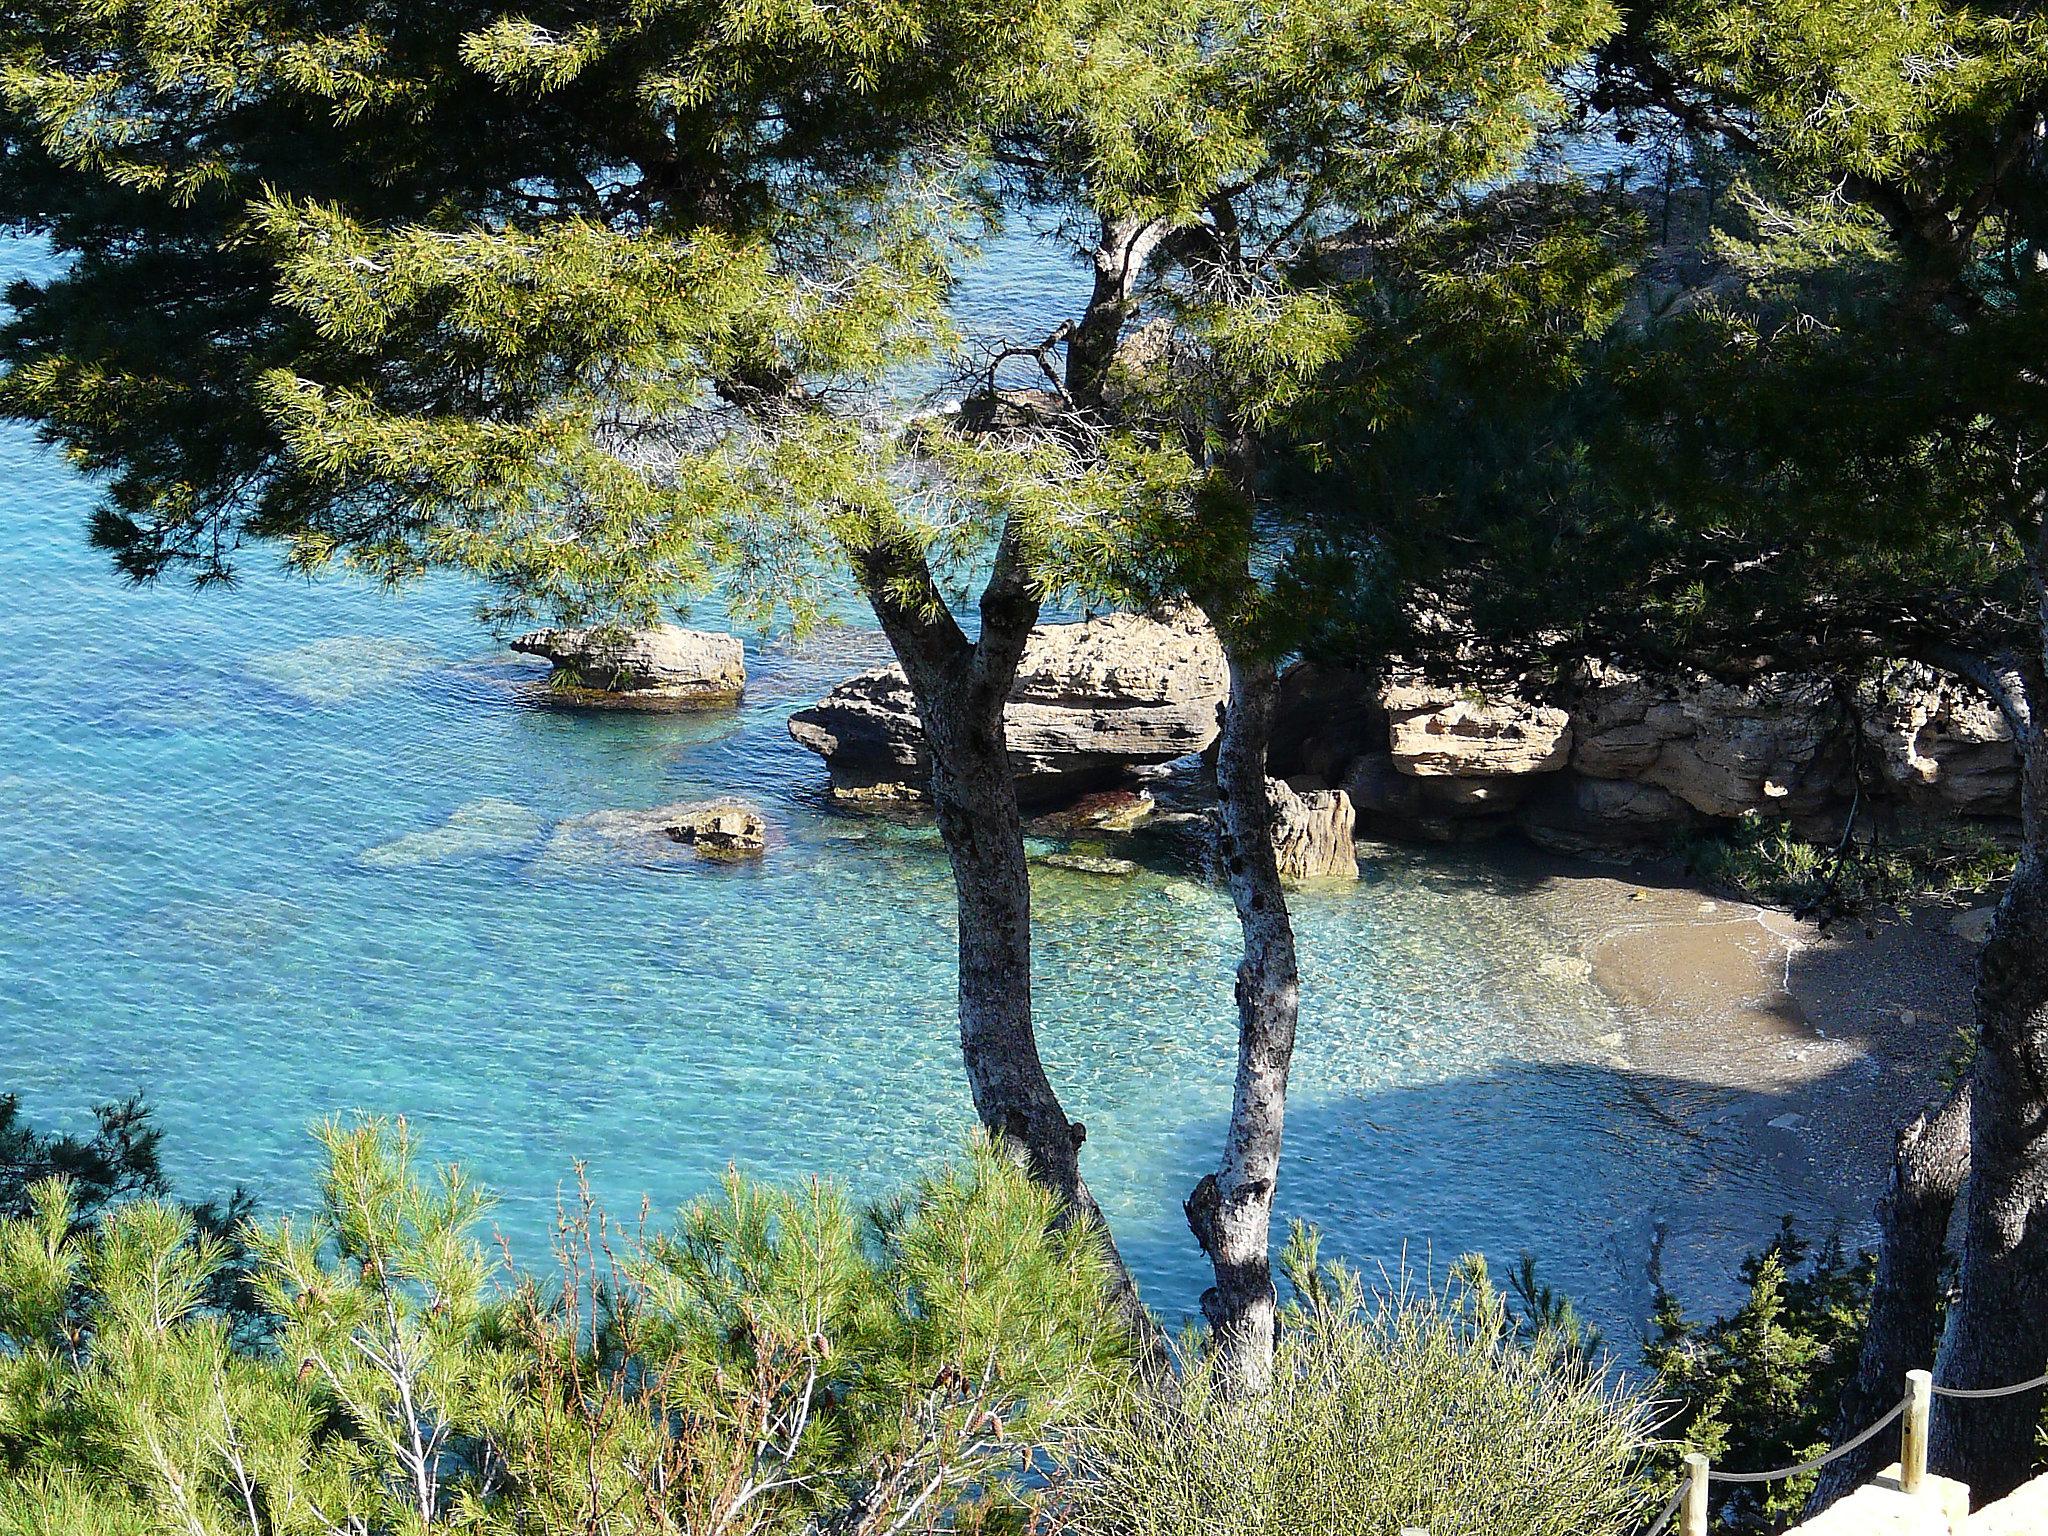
x: 1913, y: 1433
x: 1692, y: 1514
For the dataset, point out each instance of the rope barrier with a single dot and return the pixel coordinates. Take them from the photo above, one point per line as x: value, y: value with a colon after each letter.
x: 1912, y: 1454
x: 1670, y: 1512
x: 1984, y: 1392
x: 1818, y: 1462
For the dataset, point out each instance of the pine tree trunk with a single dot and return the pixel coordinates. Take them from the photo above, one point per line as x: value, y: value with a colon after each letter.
x: 1231, y: 1210
x: 1928, y: 1168
x: 960, y: 688
x: 1997, y: 1330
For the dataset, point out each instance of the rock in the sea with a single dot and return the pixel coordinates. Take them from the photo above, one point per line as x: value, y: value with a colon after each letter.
x: 481, y: 829
x: 1091, y: 698
x: 1442, y: 733
x: 665, y: 834
x: 1090, y: 863
x: 720, y: 829
x: 666, y: 667
x: 1106, y: 810
x: 1312, y: 833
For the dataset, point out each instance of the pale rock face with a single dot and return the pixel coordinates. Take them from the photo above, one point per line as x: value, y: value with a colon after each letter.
x: 719, y: 829
x: 1941, y: 743
x: 1442, y: 733
x: 665, y: 667
x: 1312, y: 833
x: 1090, y: 698
x: 1722, y: 749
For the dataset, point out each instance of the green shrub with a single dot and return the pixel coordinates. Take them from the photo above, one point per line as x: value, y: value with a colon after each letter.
x: 1762, y: 860
x: 1407, y: 1406
x: 1758, y: 1389
x: 778, y: 1362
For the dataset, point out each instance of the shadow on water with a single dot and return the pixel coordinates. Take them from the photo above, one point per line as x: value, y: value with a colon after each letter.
x: 1607, y: 1176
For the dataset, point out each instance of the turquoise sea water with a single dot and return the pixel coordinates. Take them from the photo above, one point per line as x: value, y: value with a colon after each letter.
x: 287, y: 850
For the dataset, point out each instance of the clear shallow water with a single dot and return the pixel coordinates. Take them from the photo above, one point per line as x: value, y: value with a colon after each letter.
x: 285, y: 850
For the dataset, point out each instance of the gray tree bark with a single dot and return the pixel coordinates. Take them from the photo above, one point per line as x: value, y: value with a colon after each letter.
x: 960, y: 687
x: 1231, y: 1210
x: 1997, y: 1330
x: 1928, y: 1169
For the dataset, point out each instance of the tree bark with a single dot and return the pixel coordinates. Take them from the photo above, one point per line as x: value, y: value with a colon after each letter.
x: 1997, y: 1330
x: 1928, y: 1169
x: 1231, y: 1210
x: 960, y: 687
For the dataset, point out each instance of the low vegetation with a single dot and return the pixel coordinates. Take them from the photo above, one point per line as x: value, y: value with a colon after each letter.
x: 1407, y: 1407
x: 1764, y: 860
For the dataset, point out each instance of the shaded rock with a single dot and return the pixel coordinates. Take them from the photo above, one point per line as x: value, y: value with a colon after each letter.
x: 1324, y: 717
x: 665, y: 667
x: 1940, y: 743
x: 1394, y: 804
x: 1722, y: 748
x: 1091, y: 698
x: 880, y: 797
x: 1570, y: 813
x: 480, y: 829
x: 1312, y: 833
x: 721, y: 829
x: 1106, y: 810
x: 1441, y: 733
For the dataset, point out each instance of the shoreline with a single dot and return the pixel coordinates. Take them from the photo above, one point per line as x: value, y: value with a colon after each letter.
x: 1808, y: 1050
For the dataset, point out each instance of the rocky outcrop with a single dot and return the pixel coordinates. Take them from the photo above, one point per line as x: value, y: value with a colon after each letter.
x: 665, y: 667
x: 1620, y: 760
x: 664, y: 834
x: 1443, y: 733
x: 1723, y: 749
x: 1940, y: 743
x: 1312, y: 833
x: 1091, y: 699
x: 719, y: 829
x: 1104, y: 811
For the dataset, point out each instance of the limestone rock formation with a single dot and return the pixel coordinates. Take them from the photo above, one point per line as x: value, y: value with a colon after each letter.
x: 1312, y: 833
x: 1442, y: 733
x: 665, y: 667
x: 1091, y: 698
x: 719, y: 829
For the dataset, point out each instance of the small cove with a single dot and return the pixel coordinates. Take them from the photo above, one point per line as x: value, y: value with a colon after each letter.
x: 287, y: 850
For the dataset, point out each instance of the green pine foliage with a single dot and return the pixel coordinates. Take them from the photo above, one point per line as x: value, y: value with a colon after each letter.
x: 1405, y: 1406
x: 779, y: 1361
x: 1757, y: 1389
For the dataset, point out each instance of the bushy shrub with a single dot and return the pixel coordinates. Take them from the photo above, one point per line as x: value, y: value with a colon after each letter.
x: 1763, y: 860
x: 1402, y: 1406
x: 1758, y: 1389
x: 778, y: 1362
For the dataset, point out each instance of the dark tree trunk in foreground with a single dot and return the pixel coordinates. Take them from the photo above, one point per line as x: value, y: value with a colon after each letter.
x: 960, y: 687
x: 1231, y: 1210
x: 1928, y: 1168
x: 1997, y: 1331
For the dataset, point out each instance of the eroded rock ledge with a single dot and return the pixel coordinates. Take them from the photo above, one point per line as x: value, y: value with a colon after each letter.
x: 1091, y: 699
x: 1620, y: 759
x: 663, y: 667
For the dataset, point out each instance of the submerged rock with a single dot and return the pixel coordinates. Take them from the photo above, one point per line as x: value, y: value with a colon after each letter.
x: 1090, y: 863
x: 341, y: 667
x: 1106, y: 810
x: 480, y: 829
x: 664, y: 834
x: 665, y: 667
x: 720, y: 829
x: 1091, y: 698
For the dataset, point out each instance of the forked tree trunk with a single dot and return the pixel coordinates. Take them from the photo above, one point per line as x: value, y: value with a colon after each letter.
x: 1231, y: 1210
x: 1997, y: 1331
x: 960, y: 687
x: 1928, y: 1168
